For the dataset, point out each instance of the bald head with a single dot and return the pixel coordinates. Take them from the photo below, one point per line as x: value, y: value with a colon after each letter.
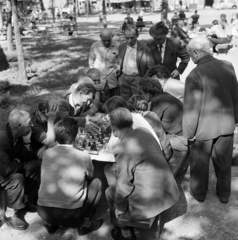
x: 106, y: 37
x: 19, y: 122
x: 84, y: 80
x: 198, y: 47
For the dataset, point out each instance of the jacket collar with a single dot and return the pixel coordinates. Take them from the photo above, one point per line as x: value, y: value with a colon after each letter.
x: 10, y: 135
x: 204, y: 59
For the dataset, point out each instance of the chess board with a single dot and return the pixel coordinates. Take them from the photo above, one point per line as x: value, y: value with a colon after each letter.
x: 94, y: 138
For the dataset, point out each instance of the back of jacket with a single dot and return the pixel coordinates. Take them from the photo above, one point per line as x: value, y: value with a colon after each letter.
x: 211, y: 100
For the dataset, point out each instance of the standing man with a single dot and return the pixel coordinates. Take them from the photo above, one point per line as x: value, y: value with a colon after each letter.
x: 210, y: 114
x: 135, y: 59
x: 166, y: 51
x: 104, y: 56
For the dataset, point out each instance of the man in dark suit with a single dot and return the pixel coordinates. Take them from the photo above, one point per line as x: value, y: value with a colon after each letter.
x: 134, y: 60
x: 19, y: 172
x: 210, y: 114
x: 166, y: 50
x: 128, y: 21
x: 74, y: 104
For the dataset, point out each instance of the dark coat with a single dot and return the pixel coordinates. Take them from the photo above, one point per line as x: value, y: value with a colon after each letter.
x: 173, y: 51
x: 144, y: 181
x: 170, y: 111
x: 66, y: 110
x: 144, y: 57
x: 9, y: 151
x: 210, y: 100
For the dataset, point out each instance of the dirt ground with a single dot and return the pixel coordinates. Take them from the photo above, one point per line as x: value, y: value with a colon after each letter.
x: 188, y: 219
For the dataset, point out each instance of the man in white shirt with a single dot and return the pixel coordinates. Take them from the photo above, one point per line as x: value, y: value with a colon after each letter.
x: 135, y: 58
x: 104, y: 57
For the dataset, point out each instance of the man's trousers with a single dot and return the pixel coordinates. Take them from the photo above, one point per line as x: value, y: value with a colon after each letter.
x: 220, y: 151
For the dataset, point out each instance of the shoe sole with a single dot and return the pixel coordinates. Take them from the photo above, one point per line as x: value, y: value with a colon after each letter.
x: 13, y: 227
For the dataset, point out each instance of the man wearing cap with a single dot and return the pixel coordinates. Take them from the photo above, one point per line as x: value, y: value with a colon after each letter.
x: 166, y: 50
x: 135, y: 59
x: 104, y: 56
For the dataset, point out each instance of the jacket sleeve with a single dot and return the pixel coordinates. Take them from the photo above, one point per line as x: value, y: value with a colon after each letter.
x: 64, y: 112
x: 192, y: 105
x: 92, y: 57
x: 183, y: 55
x: 150, y: 59
x: 8, y: 166
x: 235, y: 94
x: 124, y: 178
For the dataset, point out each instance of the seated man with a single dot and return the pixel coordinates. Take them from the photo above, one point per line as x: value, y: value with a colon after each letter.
x: 92, y: 76
x: 75, y: 104
x: 68, y: 194
x: 195, y: 17
x: 19, y: 173
x: 168, y: 108
x: 220, y: 34
x: 43, y: 119
x: 138, y: 104
x: 178, y: 33
x: 144, y: 185
x: 169, y: 85
x: 138, y: 121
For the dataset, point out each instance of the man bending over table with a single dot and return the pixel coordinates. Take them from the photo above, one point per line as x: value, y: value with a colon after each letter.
x: 144, y: 185
x: 68, y: 194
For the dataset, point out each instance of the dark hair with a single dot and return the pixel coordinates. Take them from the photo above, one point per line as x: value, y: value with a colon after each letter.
x: 215, y: 22
x: 66, y: 130
x: 86, y: 88
x: 130, y: 28
x: 132, y: 102
x: 46, y: 103
x: 121, y: 118
x: 114, y: 103
x: 151, y: 86
x: 92, y: 72
x: 196, y: 11
x: 160, y: 71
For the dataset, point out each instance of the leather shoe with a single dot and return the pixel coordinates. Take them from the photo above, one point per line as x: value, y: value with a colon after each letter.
x: 116, y: 235
x: 95, y: 225
x: 15, y: 223
x: 50, y: 228
x: 199, y: 199
x: 224, y: 200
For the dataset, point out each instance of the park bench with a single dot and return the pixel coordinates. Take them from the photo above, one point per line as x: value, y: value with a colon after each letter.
x: 150, y: 228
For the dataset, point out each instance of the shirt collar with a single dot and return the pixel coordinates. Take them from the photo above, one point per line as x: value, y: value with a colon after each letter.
x: 101, y: 45
x: 135, y: 46
x: 164, y: 43
x: 71, y: 102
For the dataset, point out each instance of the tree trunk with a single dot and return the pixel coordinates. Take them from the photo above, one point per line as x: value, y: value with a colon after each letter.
x: 75, y: 11
x: 104, y: 9
x: 20, y: 55
x: 9, y: 27
x: 53, y: 10
x: 1, y: 18
x: 42, y: 6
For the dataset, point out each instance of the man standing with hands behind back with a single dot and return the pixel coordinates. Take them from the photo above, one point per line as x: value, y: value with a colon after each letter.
x: 209, y: 117
x: 135, y: 59
x: 104, y: 57
x: 166, y: 51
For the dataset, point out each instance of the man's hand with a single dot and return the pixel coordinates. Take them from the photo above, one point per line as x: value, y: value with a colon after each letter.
x: 175, y: 73
x: 95, y: 118
x: 27, y: 138
x: 41, y: 151
x: 52, y: 113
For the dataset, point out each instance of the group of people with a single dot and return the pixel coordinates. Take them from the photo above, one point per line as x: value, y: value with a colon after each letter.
x: 151, y: 113
x: 221, y: 35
